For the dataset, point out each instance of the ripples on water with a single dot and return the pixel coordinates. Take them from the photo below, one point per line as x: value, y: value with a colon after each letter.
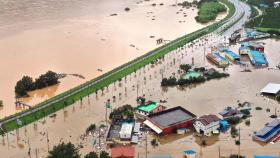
x: 12, y: 11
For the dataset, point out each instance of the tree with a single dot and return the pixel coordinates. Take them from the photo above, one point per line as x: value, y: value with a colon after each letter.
x: 185, y: 67
x: 24, y: 85
x: 1, y: 103
x: 91, y: 155
x: 64, y: 151
x: 104, y: 154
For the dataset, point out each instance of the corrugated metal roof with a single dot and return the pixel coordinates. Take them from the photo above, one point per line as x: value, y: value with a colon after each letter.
x: 271, y: 88
x: 136, y: 128
x: 152, y: 126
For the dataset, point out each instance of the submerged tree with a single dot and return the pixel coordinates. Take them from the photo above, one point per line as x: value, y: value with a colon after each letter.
x: 64, y: 151
x: 91, y: 155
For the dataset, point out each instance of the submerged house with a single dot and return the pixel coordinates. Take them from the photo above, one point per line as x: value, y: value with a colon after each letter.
x: 207, y: 124
x: 168, y: 121
x: 268, y: 132
x: 148, y: 108
x: 271, y: 89
x: 123, y: 152
x: 230, y: 112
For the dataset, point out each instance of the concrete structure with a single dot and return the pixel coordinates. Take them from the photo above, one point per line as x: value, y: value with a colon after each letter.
x: 126, y: 131
x: 207, y: 124
x: 269, y: 131
x: 123, y: 152
x: 148, y: 108
x: 271, y: 88
x: 168, y: 121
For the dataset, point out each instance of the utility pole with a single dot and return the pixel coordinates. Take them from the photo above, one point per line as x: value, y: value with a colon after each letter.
x: 48, y: 141
x: 29, y: 148
x: 106, y: 104
x: 146, y: 145
x: 239, y: 141
x: 219, y: 151
x: 204, y: 54
x: 137, y: 89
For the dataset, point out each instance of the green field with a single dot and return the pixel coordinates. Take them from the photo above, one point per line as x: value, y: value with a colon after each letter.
x: 268, y: 22
x: 39, y: 111
x: 209, y: 10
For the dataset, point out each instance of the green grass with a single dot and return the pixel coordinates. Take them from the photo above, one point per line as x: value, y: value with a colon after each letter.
x: 254, y: 12
x: 12, y: 125
x: 269, y: 19
x: 209, y: 11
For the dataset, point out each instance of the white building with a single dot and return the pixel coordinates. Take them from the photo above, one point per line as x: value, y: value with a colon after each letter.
x: 207, y: 124
x: 126, y: 131
x: 276, y: 4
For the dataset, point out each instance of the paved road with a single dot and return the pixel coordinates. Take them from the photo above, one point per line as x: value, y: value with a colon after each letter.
x: 240, y: 8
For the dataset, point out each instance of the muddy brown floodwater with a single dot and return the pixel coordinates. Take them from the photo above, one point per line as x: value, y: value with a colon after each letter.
x: 208, y: 98
x: 74, y: 36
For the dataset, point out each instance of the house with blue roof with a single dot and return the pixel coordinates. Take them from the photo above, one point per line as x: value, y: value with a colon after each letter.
x: 268, y: 132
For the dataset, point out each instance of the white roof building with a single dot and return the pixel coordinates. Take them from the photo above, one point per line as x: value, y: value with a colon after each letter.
x: 126, y: 130
x: 271, y: 88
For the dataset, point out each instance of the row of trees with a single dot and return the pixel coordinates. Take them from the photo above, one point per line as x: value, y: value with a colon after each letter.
x: 70, y: 151
x: 27, y: 84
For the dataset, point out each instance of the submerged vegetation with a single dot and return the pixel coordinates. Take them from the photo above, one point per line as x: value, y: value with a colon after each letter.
x: 172, y: 81
x: 209, y: 10
x: 27, y: 84
x: 123, y: 113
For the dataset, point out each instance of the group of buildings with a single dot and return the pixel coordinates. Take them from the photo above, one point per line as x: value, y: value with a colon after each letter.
x: 255, y: 52
x: 161, y: 121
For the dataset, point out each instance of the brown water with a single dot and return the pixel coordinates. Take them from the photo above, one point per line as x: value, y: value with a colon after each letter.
x: 210, y: 97
x: 79, y: 36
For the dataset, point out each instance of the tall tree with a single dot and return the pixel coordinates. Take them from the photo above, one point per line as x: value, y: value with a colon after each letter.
x: 104, y: 154
x: 91, y: 155
x: 64, y: 151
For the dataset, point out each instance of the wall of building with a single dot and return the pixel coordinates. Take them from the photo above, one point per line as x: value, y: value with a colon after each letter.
x: 206, y: 129
x: 173, y: 129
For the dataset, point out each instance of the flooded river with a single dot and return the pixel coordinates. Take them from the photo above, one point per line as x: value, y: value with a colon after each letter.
x: 208, y: 98
x: 79, y: 36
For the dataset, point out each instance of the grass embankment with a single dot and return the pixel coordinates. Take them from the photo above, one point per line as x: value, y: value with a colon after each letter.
x: 39, y: 111
x: 209, y: 10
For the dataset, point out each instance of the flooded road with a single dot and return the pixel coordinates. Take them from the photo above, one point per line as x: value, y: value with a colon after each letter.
x: 208, y: 98
x: 79, y: 36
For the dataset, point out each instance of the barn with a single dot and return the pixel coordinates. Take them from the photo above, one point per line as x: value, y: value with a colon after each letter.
x: 168, y: 121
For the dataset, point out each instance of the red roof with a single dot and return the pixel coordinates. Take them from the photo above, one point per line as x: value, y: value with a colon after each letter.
x: 123, y: 152
x: 207, y: 119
